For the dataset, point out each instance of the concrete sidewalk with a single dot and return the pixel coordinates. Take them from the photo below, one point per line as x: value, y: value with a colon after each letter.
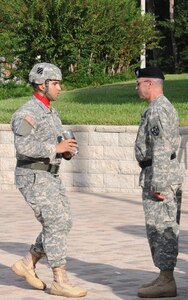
x: 108, y: 253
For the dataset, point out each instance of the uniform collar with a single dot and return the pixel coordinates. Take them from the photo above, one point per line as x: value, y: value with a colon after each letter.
x: 43, y: 99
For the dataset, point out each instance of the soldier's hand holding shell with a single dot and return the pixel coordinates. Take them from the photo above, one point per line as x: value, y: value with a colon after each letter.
x: 67, y: 146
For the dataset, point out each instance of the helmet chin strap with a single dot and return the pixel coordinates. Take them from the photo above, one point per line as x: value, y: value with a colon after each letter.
x: 46, y: 91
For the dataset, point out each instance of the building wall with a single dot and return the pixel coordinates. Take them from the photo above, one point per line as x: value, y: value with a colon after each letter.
x: 106, y: 161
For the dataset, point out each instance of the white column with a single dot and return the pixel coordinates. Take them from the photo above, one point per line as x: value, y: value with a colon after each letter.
x: 143, y: 51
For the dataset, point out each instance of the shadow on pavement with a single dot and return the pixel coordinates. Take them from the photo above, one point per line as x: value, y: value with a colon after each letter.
x: 122, y: 282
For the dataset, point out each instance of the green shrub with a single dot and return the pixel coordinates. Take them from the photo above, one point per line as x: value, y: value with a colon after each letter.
x: 13, y: 90
x: 81, y: 79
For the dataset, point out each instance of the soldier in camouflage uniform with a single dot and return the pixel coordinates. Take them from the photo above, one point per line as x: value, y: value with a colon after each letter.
x: 37, y: 132
x: 156, y: 149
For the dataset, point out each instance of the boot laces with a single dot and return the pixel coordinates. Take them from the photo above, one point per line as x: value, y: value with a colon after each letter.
x: 65, y: 276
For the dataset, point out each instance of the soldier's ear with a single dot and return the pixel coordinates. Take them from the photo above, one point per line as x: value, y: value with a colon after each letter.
x: 42, y: 87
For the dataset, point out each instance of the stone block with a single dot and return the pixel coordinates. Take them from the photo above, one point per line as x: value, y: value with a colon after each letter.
x: 7, y: 177
x: 132, y: 129
x: 118, y: 181
x: 7, y: 150
x: 6, y: 137
x: 103, y: 166
x: 82, y: 138
x: 126, y: 139
x: 109, y: 128
x: 136, y: 182
x: 67, y: 179
x: 75, y: 166
x: 103, y: 139
x: 7, y: 163
x: 118, y: 153
x: 8, y: 187
x: 129, y: 167
x: 91, y: 152
x: 88, y: 180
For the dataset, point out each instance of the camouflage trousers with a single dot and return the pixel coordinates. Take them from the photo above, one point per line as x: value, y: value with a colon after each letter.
x: 45, y: 194
x: 162, y: 226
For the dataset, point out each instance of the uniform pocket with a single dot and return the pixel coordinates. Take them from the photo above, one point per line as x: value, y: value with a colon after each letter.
x: 23, y: 181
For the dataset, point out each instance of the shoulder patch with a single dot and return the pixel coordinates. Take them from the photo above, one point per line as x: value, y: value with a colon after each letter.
x: 155, y: 130
x: 29, y: 120
x: 26, y: 125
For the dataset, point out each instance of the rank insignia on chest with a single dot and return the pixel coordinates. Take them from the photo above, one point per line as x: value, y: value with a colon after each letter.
x: 155, y: 130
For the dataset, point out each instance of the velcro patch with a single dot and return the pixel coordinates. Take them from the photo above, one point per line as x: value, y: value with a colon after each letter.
x: 29, y: 120
x: 26, y: 125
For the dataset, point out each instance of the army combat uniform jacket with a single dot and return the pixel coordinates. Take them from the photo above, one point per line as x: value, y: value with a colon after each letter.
x: 156, y: 149
x: 157, y: 144
x: 36, y: 130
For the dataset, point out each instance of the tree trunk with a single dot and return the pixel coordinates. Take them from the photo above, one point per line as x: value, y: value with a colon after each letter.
x: 150, y: 8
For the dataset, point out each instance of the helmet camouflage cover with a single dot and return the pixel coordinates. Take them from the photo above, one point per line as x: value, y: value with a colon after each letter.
x: 44, y: 71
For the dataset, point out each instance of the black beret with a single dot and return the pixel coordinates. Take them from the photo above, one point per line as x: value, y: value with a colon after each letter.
x: 149, y: 72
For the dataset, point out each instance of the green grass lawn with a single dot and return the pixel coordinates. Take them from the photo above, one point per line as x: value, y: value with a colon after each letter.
x: 115, y: 104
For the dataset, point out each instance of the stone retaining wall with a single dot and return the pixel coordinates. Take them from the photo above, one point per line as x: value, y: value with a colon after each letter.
x: 106, y: 161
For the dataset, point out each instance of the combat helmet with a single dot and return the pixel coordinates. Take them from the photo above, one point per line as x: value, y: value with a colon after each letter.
x: 44, y: 71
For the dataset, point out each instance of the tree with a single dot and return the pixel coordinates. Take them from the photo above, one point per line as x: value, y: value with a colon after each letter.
x: 181, y: 34
x: 171, y: 20
x: 85, y: 38
x: 8, y: 38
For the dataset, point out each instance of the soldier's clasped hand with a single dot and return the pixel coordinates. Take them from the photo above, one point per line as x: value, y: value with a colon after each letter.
x: 159, y: 196
x: 66, y: 146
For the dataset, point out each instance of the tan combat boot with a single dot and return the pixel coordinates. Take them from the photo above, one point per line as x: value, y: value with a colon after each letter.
x: 163, y: 286
x: 25, y: 268
x: 151, y: 283
x: 61, y: 285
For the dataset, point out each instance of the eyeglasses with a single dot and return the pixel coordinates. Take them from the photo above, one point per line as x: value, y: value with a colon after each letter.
x: 139, y: 83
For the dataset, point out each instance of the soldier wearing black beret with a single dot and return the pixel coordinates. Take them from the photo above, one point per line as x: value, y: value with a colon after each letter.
x: 149, y: 72
x: 161, y: 178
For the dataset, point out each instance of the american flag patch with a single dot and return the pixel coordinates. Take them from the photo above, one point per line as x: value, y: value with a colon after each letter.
x: 29, y: 120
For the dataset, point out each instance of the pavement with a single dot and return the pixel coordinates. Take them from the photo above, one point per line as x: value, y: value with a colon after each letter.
x: 108, y: 253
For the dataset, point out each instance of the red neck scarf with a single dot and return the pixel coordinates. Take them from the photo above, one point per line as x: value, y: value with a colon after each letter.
x: 43, y: 99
